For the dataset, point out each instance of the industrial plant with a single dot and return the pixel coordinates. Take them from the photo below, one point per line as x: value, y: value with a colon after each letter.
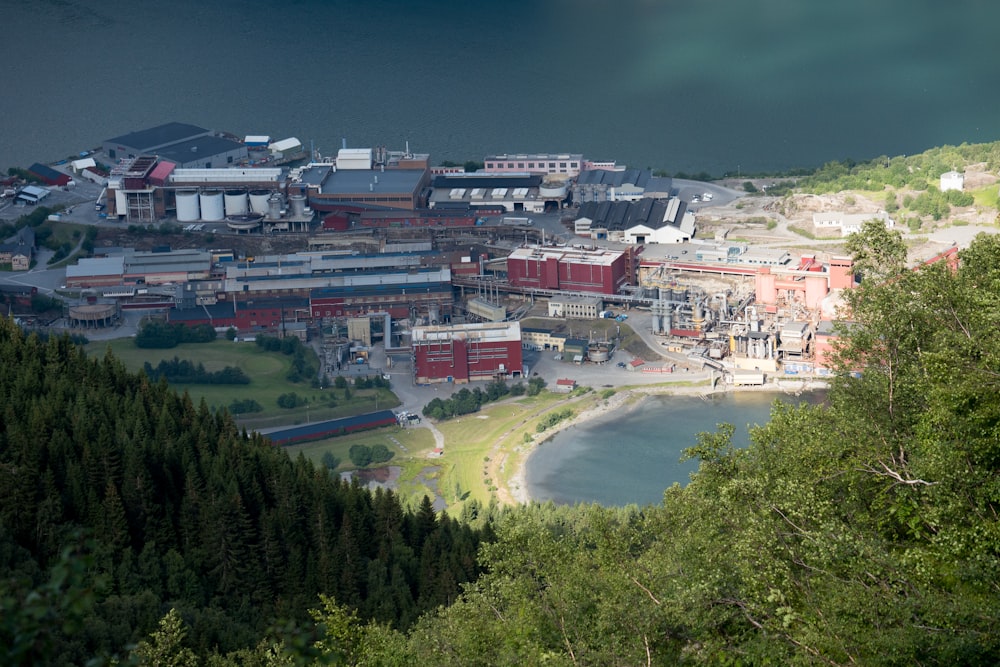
x: 442, y: 266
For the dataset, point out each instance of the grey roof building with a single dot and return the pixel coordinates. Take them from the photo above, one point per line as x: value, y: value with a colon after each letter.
x: 597, y: 185
x: 189, y: 146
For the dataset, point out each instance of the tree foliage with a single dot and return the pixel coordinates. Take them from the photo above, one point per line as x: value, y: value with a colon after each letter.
x: 185, y: 511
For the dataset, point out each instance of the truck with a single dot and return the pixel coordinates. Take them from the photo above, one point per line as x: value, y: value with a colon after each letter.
x: 605, y: 314
x: 516, y: 221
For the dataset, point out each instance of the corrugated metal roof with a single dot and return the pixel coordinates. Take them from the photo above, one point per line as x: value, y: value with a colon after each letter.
x: 97, y: 266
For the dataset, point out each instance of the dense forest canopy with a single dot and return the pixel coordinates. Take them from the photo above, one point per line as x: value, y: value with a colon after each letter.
x: 861, y: 532
x: 164, y: 504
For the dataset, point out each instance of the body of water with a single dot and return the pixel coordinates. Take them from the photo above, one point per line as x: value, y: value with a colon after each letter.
x: 632, y: 457
x: 715, y: 86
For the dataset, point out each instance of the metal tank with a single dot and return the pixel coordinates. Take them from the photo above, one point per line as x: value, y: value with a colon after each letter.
x: 598, y: 353
x: 212, y: 206
x: 236, y: 202
x: 188, y: 208
x: 258, y: 201
x: 298, y: 205
x: 274, y: 203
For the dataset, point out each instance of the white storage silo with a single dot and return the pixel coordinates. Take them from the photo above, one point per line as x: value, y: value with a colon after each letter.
x: 274, y: 203
x: 258, y: 201
x: 298, y: 205
x: 188, y: 208
x: 236, y: 202
x: 212, y: 206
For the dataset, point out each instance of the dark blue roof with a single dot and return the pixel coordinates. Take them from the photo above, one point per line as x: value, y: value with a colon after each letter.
x: 503, y: 181
x: 160, y: 135
x: 46, y: 171
x: 331, y: 426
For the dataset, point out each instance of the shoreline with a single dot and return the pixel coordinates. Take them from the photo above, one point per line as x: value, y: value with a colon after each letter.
x: 514, y: 489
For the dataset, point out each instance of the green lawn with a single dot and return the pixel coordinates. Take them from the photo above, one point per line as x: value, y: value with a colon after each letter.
x: 410, y: 446
x: 267, y: 371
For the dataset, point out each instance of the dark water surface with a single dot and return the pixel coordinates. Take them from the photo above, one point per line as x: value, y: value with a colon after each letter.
x: 713, y: 85
x: 633, y: 456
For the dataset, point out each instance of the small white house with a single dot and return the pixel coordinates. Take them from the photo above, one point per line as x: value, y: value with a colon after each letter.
x: 952, y: 180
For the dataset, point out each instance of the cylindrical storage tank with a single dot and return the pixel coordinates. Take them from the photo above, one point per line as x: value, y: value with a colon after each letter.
x: 298, y: 205
x: 657, y: 323
x: 212, y: 206
x: 274, y: 207
x: 598, y: 354
x: 236, y: 202
x: 668, y: 322
x: 188, y: 208
x: 664, y: 294
x: 258, y: 201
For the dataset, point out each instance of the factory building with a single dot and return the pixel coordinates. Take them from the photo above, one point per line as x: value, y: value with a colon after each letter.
x: 568, y: 269
x: 140, y: 268
x: 466, y: 352
x: 185, y: 145
x: 48, y: 175
x: 568, y: 164
x: 373, y: 178
x: 387, y: 294
x: 576, y: 307
x: 258, y: 315
x: 808, y: 284
x: 639, y: 222
x: 599, y: 185
x: 510, y: 192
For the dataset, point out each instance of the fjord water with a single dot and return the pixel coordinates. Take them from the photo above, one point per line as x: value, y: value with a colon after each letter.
x: 715, y: 85
x: 633, y: 456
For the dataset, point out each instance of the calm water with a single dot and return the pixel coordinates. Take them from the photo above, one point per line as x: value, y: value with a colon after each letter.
x: 633, y: 458
x: 713, y: 85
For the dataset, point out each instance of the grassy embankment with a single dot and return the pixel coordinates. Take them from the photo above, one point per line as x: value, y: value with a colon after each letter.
x: 267, y: 371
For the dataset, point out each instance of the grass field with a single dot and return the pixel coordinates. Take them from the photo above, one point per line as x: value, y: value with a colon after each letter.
x: 410, y: 446
x: 267, y: 371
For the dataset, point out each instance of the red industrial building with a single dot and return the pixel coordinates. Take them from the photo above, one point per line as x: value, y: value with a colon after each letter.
x: 401, y: 300
x: 467, y: 352
x: 569, y: 269
x: 246, y: 316
x: 48, y: 175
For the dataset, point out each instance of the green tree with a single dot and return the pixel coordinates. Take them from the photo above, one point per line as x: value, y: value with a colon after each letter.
x: 165, y: 647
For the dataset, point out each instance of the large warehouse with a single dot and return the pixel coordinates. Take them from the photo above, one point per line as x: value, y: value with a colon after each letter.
x: 569, y: 269
x: 466, y: 352
x: 186, y: 145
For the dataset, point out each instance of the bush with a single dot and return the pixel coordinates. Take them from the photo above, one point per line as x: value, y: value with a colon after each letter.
x: 360, y: 455
x: 464, y: 401
x: 330, y: 461
x: 245, y: 406
x: 154, y: 334
x: 185, y: 372
x: 535, y: 386
x: 291, y: 400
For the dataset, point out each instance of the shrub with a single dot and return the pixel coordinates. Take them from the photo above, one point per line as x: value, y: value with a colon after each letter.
x: 291, y: 400
x: 245, y: 406
x: 360, y: 455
